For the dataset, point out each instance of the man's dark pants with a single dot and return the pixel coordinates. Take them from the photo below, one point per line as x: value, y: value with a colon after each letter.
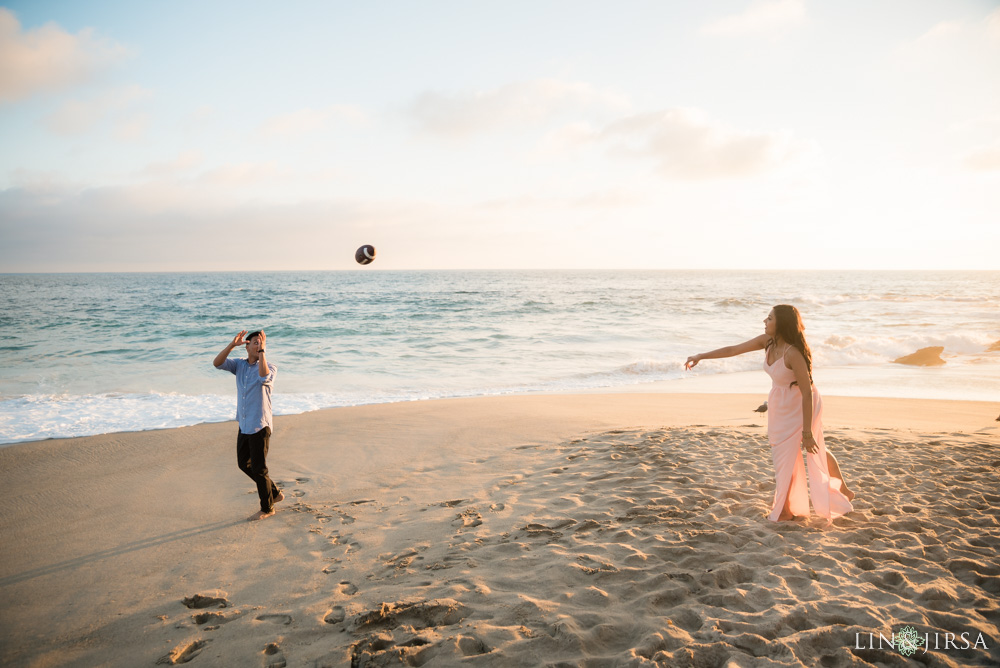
x: 251, y: 451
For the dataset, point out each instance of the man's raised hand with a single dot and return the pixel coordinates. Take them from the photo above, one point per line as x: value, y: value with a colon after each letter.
x: 238, y: 340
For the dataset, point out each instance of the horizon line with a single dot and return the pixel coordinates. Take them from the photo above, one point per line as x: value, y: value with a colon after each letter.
x: 466, y: 269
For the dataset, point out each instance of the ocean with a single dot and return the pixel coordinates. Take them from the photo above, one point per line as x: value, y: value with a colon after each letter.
x: 87, y: 354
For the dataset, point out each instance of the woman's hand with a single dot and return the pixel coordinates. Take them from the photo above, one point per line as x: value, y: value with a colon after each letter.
x: 809, y: 444
x: 692, y: 362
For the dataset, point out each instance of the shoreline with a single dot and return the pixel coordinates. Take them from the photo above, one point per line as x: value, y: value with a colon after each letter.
x: 750, y: 383
x: 519, y: 528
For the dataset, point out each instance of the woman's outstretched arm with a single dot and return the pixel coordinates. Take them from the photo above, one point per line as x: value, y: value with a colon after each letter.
x: 756, y: 343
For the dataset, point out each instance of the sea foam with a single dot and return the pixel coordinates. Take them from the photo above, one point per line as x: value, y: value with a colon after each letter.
x: 93, y: 353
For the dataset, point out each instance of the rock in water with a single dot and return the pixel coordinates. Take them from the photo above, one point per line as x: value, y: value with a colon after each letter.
x: 924, y: 357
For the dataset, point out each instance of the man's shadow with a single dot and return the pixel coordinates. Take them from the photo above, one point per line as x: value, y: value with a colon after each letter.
x: 134, y: 546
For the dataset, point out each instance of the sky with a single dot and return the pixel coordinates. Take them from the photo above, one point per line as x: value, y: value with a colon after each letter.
x: 733, y: 134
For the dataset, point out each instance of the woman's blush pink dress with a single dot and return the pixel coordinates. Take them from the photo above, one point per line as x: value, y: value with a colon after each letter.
x: 784, y: 431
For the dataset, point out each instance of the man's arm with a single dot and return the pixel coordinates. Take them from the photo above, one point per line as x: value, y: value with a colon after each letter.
x: 224, y: 353
x: 262, y: 367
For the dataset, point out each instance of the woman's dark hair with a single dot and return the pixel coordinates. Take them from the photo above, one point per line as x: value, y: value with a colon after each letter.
x: 788, y: 325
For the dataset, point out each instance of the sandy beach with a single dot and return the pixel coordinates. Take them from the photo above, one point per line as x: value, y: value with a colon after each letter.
x: 509, y: 284
x: 572, y: 530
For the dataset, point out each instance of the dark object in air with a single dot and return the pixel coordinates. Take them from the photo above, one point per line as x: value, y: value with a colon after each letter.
x: 365, y: 254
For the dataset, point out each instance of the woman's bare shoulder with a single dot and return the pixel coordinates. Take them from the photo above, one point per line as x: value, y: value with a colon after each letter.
x: 793, y: 356
x: 794, y: 352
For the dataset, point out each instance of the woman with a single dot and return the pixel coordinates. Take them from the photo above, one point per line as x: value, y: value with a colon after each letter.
x: 795, y: 412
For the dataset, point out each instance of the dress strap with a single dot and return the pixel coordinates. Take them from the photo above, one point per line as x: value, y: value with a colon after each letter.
x: 783, y: 352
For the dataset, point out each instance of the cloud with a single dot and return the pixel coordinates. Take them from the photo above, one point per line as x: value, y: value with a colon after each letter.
x: 941, y: 31
x: 133, y: 128
x: 75, y: 117
x: 48, y: 58
x: 993, y: 25
x: 306, y: 121
x: 200, y: 120
x: 518, y: 104
x: 164, y: 191
x: 983, y: 160
x: 976, y: 138
x: 931, y: 43
x: 985, y: 123
x: 178, y: 226
x: 568, y: 137
x: 688, y: 145
x: 610, y: 199
x: 39, y: 182
x: 760, y: 17
x: 184, y: 162
x: 954, y: 44
x: 242, y: 174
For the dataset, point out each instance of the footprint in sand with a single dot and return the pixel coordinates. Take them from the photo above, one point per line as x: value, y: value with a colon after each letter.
x: 347, y: 589
x: 207, y: 600
x: 400, y: 561
x: 214, y: 618
x: 469, y: 519
x: 497, y: 507
x: 273, y: 656
x: 284, y: 620
x: 472, y: 646
x: 345, y: 518
x: 336, y: 615
x: 350, y: 545
x: 183, y: 653
x: 592, y: 566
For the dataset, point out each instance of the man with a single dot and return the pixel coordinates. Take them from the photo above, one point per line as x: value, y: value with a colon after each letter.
x: 254, y: 380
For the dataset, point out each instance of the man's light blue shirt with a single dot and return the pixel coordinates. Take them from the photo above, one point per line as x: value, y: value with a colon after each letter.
x: 253, y: 394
